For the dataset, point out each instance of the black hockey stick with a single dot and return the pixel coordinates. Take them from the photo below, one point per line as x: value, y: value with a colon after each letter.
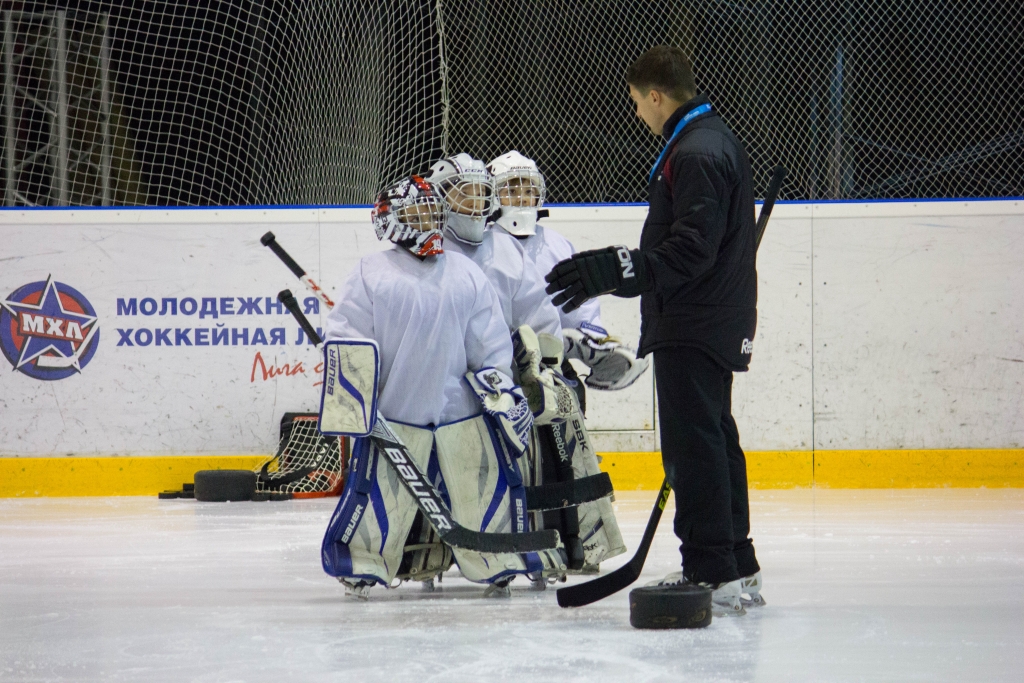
x: 601, y: 587
x: 770, y: 195
x: 563, y: 495
x: 269, y: 240
x: 423, y: 492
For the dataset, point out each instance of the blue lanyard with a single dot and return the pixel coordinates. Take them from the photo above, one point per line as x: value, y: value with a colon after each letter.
x: 694, y: 113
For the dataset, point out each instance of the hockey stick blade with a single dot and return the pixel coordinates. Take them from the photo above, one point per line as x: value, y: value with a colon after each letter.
x: 774, y: 185
x: 565, y: 494
x: 423, y: 492
x: 585, y: 593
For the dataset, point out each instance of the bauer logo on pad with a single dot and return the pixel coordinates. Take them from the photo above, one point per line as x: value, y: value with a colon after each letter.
x: 348, y: 398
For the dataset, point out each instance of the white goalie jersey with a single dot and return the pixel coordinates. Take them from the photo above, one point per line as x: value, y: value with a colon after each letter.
x: 519, y: 286
x: 545, y: 249
x: 433, y: 320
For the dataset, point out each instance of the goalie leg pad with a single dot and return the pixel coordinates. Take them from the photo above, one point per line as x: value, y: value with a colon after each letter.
x: 367, y: 533
x: 599, y: 530
x: 485, y: 486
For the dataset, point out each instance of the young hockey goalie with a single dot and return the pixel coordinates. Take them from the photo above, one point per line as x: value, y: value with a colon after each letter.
x: 536, y: 330
x: 443, y: 345
x: 520, y: 191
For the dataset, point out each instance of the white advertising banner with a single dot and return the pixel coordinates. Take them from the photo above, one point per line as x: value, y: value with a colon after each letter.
x: 157, y: 331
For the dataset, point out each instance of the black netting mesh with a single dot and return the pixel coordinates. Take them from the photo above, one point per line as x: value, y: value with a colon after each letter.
x: 324, y: 102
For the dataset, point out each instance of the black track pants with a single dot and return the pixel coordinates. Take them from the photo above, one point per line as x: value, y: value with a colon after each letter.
x: 701, y: 452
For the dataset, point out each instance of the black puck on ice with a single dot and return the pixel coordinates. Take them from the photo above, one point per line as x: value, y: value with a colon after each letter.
x: 219, y: 486
x: 676, y: 606
x: 168, y: 495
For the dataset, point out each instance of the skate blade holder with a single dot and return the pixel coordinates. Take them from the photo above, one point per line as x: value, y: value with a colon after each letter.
x: 674, y: 606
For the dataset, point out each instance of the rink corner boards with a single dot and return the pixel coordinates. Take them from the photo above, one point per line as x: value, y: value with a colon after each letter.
x: 147, y: 475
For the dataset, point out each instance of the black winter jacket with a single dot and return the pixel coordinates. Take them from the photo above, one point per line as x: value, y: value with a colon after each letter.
x: 698, y: 244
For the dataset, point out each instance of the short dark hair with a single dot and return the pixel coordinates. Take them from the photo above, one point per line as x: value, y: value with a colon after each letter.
x: 665, y: 68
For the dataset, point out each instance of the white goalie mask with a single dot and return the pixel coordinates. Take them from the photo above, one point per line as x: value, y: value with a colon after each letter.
x: 411, y: 213
x: 467, y: 187
x: 520, y: 190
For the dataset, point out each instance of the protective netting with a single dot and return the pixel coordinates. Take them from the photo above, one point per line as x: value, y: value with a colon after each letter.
x: 325, y: 102
x: 307, y: 463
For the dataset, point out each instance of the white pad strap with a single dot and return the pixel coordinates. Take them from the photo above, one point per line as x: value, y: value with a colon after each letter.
x: 348, y: 396
x: 506, y: 403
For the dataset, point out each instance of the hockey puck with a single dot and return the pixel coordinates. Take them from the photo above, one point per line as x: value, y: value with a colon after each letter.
x: 219, y: 486
x: 676, y: 606
x: 260, y: 497
x: 280, y: 496
x: 168, y: 495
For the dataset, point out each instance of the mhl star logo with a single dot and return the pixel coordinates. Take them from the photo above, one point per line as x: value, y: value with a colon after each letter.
x: 48, y: 330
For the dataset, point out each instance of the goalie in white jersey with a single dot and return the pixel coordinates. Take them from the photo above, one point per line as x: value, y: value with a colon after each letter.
x: 561, y: 450
x: 435, y: 318
x: 520, y: 191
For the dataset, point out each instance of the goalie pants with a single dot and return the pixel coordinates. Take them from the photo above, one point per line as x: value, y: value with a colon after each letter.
x: 704, y: 463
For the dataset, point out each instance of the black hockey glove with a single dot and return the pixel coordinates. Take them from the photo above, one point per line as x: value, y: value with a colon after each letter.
x: 590, y: 274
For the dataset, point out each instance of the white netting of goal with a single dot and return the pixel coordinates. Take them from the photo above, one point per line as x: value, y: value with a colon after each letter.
x: 273, y: 102
x: 307, y: 464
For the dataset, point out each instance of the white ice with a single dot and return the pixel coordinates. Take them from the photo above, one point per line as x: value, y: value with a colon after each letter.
x: 922, y: 585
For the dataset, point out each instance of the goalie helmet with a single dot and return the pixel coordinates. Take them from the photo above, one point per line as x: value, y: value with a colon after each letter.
x: 520, y: 191
x: 467, y: 187
x: 411, y: 213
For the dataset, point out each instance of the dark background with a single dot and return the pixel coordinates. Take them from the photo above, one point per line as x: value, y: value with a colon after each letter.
x: 313, y: 102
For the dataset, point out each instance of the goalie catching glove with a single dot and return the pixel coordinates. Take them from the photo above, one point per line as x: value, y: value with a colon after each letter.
x: 550, y: 398
x: 590, y: 274
x: 613, y: 366
x: 506, y: 404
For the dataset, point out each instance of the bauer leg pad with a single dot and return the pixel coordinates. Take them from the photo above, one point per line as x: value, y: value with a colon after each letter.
x: 367, y: 534
x: 485, y: 486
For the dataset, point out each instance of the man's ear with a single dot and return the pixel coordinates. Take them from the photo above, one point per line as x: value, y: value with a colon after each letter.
x: 656, y: 97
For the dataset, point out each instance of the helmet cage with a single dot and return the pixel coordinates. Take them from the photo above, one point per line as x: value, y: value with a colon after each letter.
x: 520, y: 187
x: 411, y: 213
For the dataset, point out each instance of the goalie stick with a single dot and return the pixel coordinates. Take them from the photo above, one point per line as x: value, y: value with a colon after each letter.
x: 612, y: 582
x: 269, y: 240
x: 550, y: 497
x: 423, y: 492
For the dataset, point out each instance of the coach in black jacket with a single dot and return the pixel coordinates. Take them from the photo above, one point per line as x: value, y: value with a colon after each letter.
x: 695, y: 274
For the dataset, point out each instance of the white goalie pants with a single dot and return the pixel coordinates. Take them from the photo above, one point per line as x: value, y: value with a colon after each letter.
x: 466, y: 461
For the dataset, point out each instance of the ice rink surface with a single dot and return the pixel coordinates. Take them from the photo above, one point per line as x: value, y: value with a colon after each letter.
x: 921, y: 585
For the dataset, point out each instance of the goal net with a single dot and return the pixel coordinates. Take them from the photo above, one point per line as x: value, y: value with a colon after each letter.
x: 285, y: 102
x: 307, y: 464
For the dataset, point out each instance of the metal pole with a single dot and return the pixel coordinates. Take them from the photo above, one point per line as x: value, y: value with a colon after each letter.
x: 9, y: 108
x: 61, y: 67
x: 836, y: 96
x: 106, y: 143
